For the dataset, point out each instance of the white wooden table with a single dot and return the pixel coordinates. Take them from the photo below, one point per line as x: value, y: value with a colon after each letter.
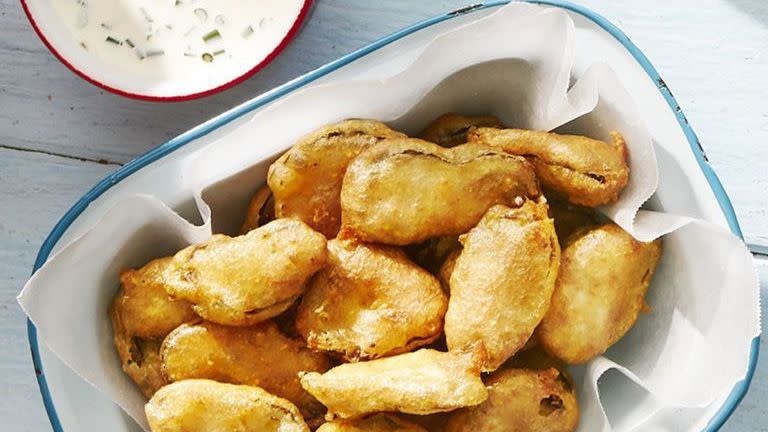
x: 59, y: 135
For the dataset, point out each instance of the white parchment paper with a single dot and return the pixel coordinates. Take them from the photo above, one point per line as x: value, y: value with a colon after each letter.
x: 515, y: 63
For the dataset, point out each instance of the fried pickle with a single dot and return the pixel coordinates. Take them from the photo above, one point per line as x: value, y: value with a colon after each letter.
x: 142, y: 314
x: 258, y: 356
x: 140, y: 360
x: 446, y: 269
x: 261, y: 210
x: 372, y: 423
x: 521, y: 400
x: 208, y: 406
x: 503, y: 280
x: 370, y: 301
x: 450, y: 130
x: 421, y: 382
x: 408, y: 190
x: 604, y: 275
x: 143, y: 305
x: 306, y: 180
x: 247, y: 279
x: 584, y: 171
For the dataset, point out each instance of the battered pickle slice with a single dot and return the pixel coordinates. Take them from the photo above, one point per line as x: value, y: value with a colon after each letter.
x: 306, y: 180
x: 421, y: 382
x: 502, y: 281
x: 258, y: 356
x: 142, y: 314
x: 244, y: 280
x: 372, y: 423
x: 600, y: 290
x: 208, y: 406
x: 140, y: 360
x: 450, y: 130
x: 446, y: 269
x: 524, y: 400
x: 370, y: 301
x: 584, y: 171
x: 408, y: 190
x: 144, y: 307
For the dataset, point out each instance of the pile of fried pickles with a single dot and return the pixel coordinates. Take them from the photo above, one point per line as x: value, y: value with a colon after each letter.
x: 389, y: 283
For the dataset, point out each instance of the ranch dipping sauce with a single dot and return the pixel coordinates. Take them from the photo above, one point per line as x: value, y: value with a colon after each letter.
x: 168, y: 38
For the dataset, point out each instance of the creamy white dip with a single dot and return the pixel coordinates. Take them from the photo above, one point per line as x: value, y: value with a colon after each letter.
x: 167, y: 38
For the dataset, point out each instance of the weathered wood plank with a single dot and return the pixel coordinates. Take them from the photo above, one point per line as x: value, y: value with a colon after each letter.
x: 36, y: 190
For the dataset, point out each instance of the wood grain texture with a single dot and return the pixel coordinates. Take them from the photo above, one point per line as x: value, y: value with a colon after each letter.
x: 36, y: 190
x: 711, y: 53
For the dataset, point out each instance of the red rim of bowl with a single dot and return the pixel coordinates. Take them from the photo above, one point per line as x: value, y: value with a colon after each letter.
x: 265, y: 61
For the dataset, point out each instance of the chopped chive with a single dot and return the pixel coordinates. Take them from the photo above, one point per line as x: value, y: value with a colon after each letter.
x: 178, y: 3
x: 189, y: 54
x: 207, y: 57
x: 213, y: 34
x: 155, y: 52
x: 218, y: 52
x: 129, y: 43
x: 247, y: 32
x: 112, y: 40
x: 106, y: 26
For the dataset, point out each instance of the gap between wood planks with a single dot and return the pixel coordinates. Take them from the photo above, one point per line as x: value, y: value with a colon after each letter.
x: 61, y: 155
x: 756, y: 249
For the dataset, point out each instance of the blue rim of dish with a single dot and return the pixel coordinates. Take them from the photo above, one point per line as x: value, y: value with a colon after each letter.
x: 720, y: 417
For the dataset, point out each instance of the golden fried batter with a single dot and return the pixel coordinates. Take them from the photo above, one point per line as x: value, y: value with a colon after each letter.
x: 570, y: 218
x: 306, y: 180
x: 372, y: 423
x: 604, y: 274
x: 585, y: 171
x: 370, y: 301
x: 538, y: 359
x: 144, y: 307
x: 209, y: 406
x: 407, y: 190
x: 450, y: 130
x: 140, y: 360
x: 261, y: 210
x: 522, y: 400
x: 421, y: 382
x: 258, y: 356
x: 248, y: 279
x: 142, y: 314
x: 446, y: 269
x: 502, y: 281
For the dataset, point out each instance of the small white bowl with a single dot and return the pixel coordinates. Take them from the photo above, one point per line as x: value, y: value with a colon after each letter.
x: 172, y: 79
